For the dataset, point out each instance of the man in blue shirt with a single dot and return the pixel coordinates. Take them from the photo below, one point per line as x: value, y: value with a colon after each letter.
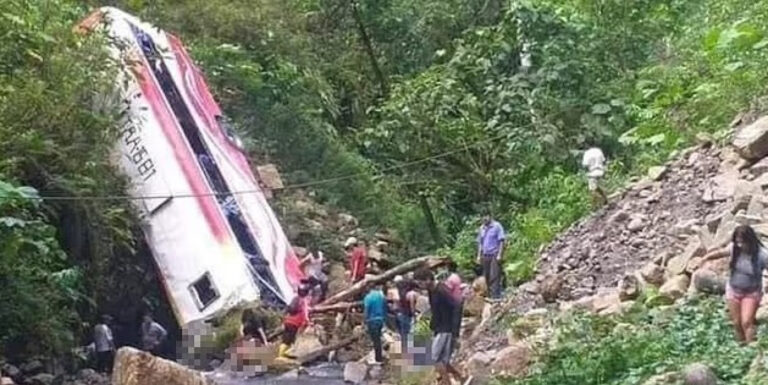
x: 490, y: 248
x: 375, y: 309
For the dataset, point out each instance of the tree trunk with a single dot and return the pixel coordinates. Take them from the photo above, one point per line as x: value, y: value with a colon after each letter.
x: 429, y: 262
x: 368, y: 45
x: 433, y: 230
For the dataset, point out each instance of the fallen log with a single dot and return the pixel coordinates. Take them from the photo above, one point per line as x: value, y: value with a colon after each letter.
x: 429, y: 262
x: 311, y: 356
x: 337, y: 307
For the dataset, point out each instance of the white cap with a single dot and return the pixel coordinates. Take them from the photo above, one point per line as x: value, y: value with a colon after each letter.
x: 398, y: 278
x: 350, y: 241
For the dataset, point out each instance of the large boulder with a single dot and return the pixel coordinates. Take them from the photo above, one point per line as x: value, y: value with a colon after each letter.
x: 32, y: 367
x: 751, y: 142
x: 708, y: 282
x: 512, y: 361
x: 699, y: 374
x: 11, y: 371
x: 134, y: 367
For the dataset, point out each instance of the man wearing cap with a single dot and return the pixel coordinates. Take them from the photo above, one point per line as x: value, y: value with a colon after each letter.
x: 358, y: 259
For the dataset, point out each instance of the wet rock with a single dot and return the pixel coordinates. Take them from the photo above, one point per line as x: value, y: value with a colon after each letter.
x: 355, y: 372
x: 512, y: 361
x: 708, y: 282
x: 751, y: 141
x: 699, y: 374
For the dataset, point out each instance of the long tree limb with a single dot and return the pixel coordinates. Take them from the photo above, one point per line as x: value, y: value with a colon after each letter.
x: 428, y: 262
x: 311, y: 356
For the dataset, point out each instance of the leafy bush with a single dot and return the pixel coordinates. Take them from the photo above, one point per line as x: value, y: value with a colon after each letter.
x: 629, y: 349
x: 38, y: 287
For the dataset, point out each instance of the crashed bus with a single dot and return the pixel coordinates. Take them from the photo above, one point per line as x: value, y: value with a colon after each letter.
x: 213, y: 236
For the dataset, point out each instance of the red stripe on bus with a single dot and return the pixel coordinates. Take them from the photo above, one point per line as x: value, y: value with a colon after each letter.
x: 182, y: 153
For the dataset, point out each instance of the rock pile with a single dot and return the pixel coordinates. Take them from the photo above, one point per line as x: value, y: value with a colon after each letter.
x: 35, y: 372
x: 653, y: 217
x: 654, y: 234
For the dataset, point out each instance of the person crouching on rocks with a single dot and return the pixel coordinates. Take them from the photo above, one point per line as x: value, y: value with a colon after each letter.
x: 744, y: 289
x: 296, y: 318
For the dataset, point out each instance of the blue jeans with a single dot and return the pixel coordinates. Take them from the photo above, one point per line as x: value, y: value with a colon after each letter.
x: 404, y: 322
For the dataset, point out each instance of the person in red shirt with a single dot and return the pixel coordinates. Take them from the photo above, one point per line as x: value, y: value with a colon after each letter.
x: 296, y: 318
x: 358, y: 259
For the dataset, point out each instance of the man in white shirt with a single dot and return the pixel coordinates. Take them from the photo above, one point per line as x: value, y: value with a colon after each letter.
x: 594, y: 162
x: 104, y: 344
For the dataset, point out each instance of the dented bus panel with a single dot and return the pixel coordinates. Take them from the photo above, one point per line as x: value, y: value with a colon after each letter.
x: 216, y: 241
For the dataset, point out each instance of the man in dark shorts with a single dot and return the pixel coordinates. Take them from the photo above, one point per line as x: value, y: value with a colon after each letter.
x: 444, y: 309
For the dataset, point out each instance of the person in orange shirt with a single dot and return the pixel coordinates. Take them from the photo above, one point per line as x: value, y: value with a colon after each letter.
x: 296, y: 318
x: 358, y: 258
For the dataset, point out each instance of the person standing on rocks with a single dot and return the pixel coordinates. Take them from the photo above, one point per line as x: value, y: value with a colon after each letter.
x: 358, y: 258
x: 490, y: 249
x: 594, y: 162
x: 153, y: 335
x: 443, y: 307
x: 296, y: 318
x: 744, y: 289
x: 405, y: 310
x: 104, y: 343
x: 454, y: 285
x: 313, y: 268
x: 375, y: 311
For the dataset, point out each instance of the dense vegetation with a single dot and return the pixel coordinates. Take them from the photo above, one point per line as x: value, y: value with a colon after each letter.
x: 632, y: 348
x: 413, y: 116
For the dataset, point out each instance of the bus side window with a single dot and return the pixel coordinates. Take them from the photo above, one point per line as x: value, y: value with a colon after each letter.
x: 204, y: 291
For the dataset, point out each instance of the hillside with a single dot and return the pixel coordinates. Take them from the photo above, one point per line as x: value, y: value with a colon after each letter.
x: 637, y: 264
x: 400, y: 122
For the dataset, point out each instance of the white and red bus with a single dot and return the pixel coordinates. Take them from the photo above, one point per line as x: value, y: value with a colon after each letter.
x: 212, y: 233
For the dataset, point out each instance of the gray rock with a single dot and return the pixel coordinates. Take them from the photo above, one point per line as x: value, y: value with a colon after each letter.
x: 355, y: 372
x: 656, y: 173
x: 708, y: 282
x: 629, y: 288
x: 751, y: 142
x: 699, y: 374
x: 637, y: 223
x: 11, y: 371
x: 675, y: 287
x: 32, y: 367
x: 41, y: 379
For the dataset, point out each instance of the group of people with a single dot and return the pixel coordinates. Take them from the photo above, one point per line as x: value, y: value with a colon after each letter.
x: 446, y: 299
x: 153, y: 338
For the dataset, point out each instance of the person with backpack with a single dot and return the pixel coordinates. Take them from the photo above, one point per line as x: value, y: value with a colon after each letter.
x: 744, y: 290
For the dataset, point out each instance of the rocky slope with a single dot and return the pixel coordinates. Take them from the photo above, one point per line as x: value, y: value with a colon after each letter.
x: 653, y: 234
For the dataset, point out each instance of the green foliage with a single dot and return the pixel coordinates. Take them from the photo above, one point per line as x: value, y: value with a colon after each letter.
x: 38, y: 286
x: 630, y: 349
